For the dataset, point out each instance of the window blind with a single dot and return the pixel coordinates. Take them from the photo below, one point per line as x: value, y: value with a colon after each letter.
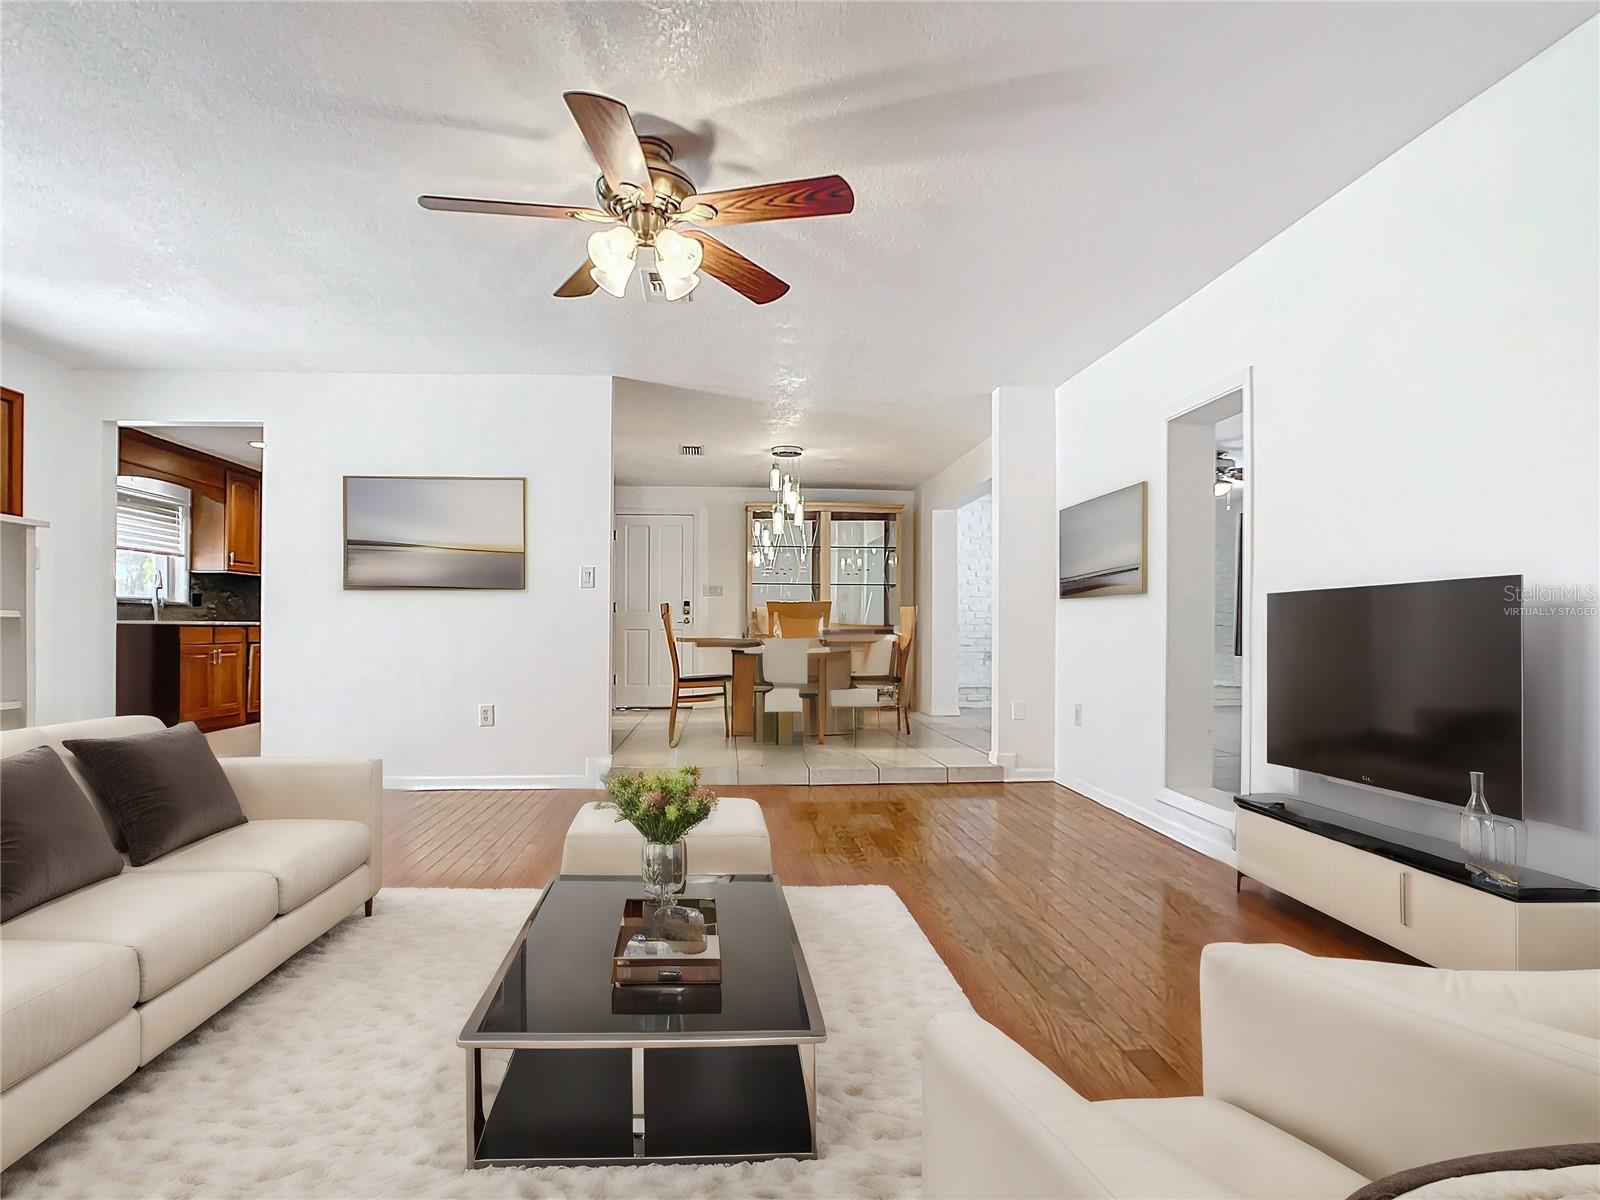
x: 151, y: 524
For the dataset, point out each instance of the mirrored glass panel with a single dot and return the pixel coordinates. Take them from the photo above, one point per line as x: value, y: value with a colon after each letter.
x: 863, y: 568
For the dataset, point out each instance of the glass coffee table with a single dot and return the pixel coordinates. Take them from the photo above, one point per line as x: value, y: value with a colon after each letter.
x: 603, y: 1075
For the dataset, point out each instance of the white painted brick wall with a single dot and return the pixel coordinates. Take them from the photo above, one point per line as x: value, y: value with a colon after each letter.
x: 974, y: 606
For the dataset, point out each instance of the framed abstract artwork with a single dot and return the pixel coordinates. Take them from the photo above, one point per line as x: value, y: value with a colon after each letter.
x: 1102, y: 547
x: 435, y: 531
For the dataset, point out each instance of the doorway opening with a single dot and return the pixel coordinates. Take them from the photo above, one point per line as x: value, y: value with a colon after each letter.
x: 975, y: 621
x: 187, y: 563
x: 1227, y: 684
x: 1207, y: 726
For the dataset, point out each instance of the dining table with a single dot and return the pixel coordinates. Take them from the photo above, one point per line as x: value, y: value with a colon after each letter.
x: 823, y: 667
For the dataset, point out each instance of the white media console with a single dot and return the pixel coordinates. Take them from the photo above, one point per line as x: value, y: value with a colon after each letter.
x: 1415, y: 892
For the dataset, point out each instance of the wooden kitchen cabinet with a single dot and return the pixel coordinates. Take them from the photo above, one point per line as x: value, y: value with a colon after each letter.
x: 198, y: 673
x: 227, y: 682
x: 242, y: 517
x: 225, y: 507
x: 227, y: 533
x: 252, y: 691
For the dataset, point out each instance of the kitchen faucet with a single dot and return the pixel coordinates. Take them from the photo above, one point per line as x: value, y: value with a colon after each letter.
x: 155, y: 601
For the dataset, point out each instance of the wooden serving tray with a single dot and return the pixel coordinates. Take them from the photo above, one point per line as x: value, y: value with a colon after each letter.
x: 686, y: 966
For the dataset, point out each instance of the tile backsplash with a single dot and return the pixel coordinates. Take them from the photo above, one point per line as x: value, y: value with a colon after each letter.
x: 215, y: 597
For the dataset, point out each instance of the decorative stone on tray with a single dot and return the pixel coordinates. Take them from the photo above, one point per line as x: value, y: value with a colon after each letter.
x: 667, y: 944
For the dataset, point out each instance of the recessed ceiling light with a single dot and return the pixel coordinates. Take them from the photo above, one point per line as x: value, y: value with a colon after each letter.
x: 258, y: 445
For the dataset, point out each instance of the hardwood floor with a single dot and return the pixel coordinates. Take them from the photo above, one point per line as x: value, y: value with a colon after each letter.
x: 1072, y: 928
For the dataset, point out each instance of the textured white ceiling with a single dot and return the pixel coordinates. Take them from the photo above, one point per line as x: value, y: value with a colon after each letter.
x: 230, y: 185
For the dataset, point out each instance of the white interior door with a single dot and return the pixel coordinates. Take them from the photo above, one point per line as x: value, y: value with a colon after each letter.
x: 654, y: 565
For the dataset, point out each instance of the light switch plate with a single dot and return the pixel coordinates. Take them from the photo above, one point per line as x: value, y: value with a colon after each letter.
x: 1019, y: 711
x: 711, y: 589
x: 586, y: 577
x: 1077, y: 714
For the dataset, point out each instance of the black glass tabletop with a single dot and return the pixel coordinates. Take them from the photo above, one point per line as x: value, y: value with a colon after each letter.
x: 555, y: 986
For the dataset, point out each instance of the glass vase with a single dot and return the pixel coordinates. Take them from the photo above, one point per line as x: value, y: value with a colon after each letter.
x: 664, y: 867
x: 1477, y: 829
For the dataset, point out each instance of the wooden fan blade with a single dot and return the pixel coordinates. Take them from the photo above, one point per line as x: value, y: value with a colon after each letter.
x: 579, y: 283
x: 824, y: 196
x: 608, y: 129
x: 738, y: 272
x: 511, y: 208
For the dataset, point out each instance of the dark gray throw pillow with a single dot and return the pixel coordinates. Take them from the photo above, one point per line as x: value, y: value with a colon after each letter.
x: 51, y: 840
x: 165, y: 789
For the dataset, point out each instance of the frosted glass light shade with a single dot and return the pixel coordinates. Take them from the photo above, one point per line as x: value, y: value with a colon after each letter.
x: 677, y: 255
x: 613, y: 251
x: 676, y: 287
x: 614, y: 282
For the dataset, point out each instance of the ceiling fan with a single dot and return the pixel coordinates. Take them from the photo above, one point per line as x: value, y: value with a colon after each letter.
x: 647, y: 202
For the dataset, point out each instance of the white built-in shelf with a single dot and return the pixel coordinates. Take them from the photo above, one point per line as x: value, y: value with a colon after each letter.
x: 10, y: 705
x: 10, y: 612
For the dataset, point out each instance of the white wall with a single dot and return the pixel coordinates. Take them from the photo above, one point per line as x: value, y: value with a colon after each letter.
x: 720, y: 552
x: 1025, y: 582
x: 1425, y: 350
x: 938, y: 498
x: 396, y: 675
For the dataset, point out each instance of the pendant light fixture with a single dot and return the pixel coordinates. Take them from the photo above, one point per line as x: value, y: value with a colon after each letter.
x: 788, y: 509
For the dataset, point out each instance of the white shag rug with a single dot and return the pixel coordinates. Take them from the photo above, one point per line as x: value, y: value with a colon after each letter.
x: 339, y: 1076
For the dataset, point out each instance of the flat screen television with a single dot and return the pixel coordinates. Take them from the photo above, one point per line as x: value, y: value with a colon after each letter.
x: 1404, y: 686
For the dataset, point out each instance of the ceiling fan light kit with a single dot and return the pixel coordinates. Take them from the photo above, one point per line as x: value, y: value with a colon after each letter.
x: 649, y: 203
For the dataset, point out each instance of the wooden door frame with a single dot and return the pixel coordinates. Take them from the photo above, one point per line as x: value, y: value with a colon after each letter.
x: 696, y: 513
x: 14, y: 413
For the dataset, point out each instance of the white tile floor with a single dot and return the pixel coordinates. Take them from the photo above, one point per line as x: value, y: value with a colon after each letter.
x: 937, y: 750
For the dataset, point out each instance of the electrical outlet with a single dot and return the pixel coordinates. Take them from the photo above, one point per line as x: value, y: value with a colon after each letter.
x: 1019, y: 711
x: 1077, y: 714
x: 485, y: 716
x: 585, y: 580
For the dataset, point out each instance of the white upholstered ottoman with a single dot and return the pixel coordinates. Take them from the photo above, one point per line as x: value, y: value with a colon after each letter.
x: 731, y: 841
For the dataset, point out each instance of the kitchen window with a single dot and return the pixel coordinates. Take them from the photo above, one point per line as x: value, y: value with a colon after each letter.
x: 152, y: 540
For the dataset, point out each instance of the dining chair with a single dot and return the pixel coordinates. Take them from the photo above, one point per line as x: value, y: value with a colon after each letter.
x: 798, y: 618
x: 694, y: 689
x: 898, y: 676
x: 786, y: 679
x: 871, y: 672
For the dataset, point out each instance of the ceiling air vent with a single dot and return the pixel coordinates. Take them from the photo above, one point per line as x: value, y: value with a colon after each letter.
x: 655, y: 291
x: 691, y: 451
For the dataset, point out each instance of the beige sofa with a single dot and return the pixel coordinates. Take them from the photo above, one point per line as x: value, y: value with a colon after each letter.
x: 95, y: 984
x: 1319, y: 1074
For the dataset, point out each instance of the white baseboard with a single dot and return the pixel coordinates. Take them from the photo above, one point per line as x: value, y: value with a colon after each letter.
x: 595, y: 770
x: 1007, y: 760
x: 1029, y: 774
x: 1182, y: 826
x: 485, y: 783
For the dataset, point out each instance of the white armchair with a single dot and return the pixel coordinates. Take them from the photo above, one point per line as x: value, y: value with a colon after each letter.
x: 1318, y: 1075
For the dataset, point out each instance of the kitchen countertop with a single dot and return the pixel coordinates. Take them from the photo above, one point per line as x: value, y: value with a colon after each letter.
x: 179, y: 621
